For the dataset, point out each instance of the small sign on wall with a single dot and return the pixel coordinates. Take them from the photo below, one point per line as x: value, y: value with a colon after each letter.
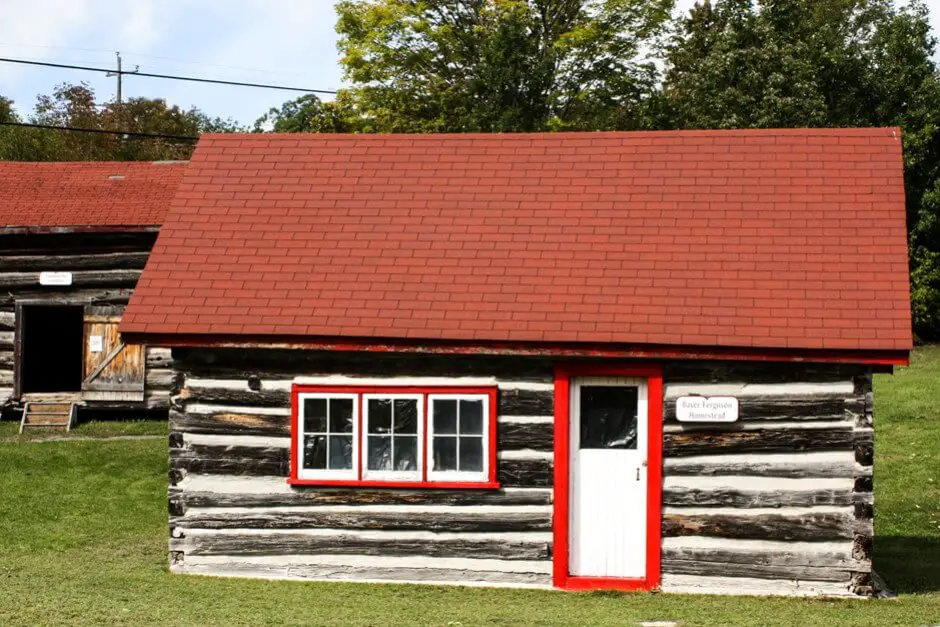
x: 706, y: 409
x: 55, y: 278
x: 95, y: 343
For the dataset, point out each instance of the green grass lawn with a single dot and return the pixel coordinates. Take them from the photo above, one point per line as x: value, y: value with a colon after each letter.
x: 83, y: 529
x: 9, y: 430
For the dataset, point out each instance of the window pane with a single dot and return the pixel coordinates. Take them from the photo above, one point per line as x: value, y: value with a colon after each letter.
x: 609, y: 417
x: 315, y: 451
x: 315, y: 415
x: 340, y: 452
x: 471, y: 417
x: 380, y: 452
x: 406, y: 453
x: 406, y: 416
x: 341, y: 411
x: 445, y: 453
x: 471, y: 454
x: 445, y: 416
x: 380, y: 415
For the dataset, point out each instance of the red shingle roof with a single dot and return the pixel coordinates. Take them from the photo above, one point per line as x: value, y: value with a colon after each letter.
x: 771, y: 239
x: 99, y: 193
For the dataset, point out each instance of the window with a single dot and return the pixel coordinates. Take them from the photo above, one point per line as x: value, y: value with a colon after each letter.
x: 386, y: 436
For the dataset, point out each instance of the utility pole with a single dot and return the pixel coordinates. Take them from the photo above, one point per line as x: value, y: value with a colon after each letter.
x: 120, y: 76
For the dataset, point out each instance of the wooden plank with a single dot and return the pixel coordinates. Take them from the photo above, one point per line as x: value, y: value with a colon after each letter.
x: 160, y: 379
x: 6, y: 320
x: 702, y: 372
x: 60, y: 296
x: 526, y: 473
x: 697, y: 584
x: 81, y: 278
x: 536, y: 436
x: 247, y: 423
x: 418, y: 569
x: 803, y: 525
x: 837, y: 554
x: 158, y: 357
x: 453, y: 520
x: 100, y: 261
x: 6, y: 378
x: 795, y: 465
x: 762, y: 571
x: 481, y: 546
x: 730, y: 497
x: 6, y: 340
x: 779, y: 408
x: 185, y: 497
x: 756, y: 441
x: 7, y: 359
x: 522, y: 402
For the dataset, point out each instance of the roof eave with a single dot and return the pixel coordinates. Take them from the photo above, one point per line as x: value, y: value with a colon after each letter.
x: 561, y: 350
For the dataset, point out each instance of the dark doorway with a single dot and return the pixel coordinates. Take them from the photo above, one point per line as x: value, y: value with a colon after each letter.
x: 53, y: 349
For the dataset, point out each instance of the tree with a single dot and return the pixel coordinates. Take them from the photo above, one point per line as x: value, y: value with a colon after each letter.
x: 500, y: 65
x: 309, y: 114
x: 830, y: 63
x: 76, y: 106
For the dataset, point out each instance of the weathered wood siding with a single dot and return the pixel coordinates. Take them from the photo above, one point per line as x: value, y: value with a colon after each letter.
x: 232, y: 512
x: 784, y: 495
x: 105, y: 268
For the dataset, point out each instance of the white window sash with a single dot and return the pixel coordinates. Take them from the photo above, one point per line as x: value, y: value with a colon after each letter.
x: 392, y: 475
x: 457, y: 476
x: 333, y: 474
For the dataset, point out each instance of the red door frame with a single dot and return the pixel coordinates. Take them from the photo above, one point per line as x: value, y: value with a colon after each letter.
x: 561, y: 576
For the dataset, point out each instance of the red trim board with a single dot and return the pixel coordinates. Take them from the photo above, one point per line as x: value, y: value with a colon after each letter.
x: 490, y: 483
x: 561, y: 575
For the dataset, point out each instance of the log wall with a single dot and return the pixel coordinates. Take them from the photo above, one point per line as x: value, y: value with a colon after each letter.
x: 779, y: 502
x: 105, y: 268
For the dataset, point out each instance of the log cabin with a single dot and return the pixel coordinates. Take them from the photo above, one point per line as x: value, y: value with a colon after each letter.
x: 617, y: 360
x: 74, y: 238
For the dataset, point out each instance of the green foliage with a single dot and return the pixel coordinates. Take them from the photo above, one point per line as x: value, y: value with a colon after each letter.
x: 828, y: 63
x: 309, y: 114
x: 500, y: 65
x: 75, y: 105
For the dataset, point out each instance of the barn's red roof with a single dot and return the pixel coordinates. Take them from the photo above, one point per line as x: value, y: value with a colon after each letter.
x: 789, y: 239
x: 89, y: 194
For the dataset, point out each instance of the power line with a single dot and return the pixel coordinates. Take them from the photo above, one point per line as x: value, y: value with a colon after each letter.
x: 133, y: 134
x: 168, y: 76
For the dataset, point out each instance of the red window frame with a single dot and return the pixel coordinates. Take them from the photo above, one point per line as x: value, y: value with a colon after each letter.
x: 360, y: 390
x: 561, y: 576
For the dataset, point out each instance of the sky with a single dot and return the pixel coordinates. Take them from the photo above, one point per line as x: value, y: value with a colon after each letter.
x: 284, y: 42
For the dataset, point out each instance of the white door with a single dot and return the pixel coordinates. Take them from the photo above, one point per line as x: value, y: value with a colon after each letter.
x: 608, y: 447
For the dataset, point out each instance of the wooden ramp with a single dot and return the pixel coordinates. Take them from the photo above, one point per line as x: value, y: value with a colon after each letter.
x: 52, y: 411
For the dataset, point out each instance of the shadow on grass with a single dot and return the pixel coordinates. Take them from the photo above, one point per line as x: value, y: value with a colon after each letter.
x: 908, y: 565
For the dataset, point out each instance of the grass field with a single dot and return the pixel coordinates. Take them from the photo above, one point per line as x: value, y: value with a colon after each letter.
x: 83, y: 528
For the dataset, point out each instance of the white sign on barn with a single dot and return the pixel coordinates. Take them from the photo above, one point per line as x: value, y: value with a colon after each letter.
x: 706, y: 409
x: 55, y: 278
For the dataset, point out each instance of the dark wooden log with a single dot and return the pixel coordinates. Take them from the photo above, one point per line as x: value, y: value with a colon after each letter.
x: 360, y: 496
x: 864, y: 484
x: 525, y: 473
x: 352, y: 544
x: 756, y: 441
x: 531, y: 435
x: 779, y: 408
x: 802, y: 527
x: 691, y: 371
x: 862, y: 547
x: 515, y: 402
x: 232, y: 460
x: 862, y: 584
x: 159, y: 358
x: 241, y: 363
x: 100, y: 261
x: 230, y: 423
x: 15, y: 242
x: 726, y: 497
x: 737, y: 552
x: 864, y: 444
x: 6, y: 358
x: 759, y: 571
x: 426, y: 521
x: 80, y: 278
x: 67, y: 296
x: 241, y: 397
x: 160, y: 379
